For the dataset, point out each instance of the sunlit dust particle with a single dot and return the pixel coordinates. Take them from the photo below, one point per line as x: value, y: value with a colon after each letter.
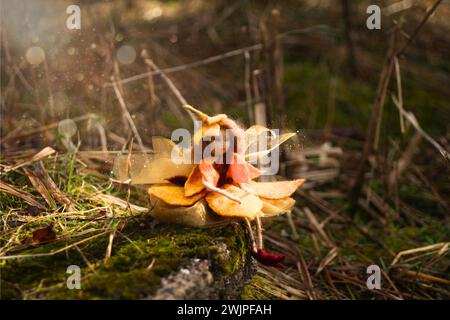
x: 71, y: 51
x: 173, y: 38
x: 35, y: 55
x: 153, y: 13
x: 126, y: 54
x: 67, y: 128
x: 119, y: 37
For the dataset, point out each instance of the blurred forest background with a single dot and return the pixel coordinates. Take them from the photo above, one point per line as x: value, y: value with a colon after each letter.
x: 371, y: 108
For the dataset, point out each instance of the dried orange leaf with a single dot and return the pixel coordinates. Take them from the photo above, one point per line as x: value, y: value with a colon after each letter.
x: 173, y: 195
x: 44, y: 234
x: 194, y: 182
x: 249, y: 207
x: 277, y: 189
x: 273, y: 207
x: 212, y: 130
x: 209, y: 173
x: 204, y: 117
x: 241, y: 171
x: 198, y: 215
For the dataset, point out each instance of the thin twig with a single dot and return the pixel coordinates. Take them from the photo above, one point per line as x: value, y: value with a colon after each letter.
x: 128, y: 116
x: 419, y: 26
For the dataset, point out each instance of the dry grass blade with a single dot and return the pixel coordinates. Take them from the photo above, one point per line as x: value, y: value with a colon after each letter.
x: 110, y: 199
x: 427, y: 277
x: 54, y: 125
x: 375, y: 119
x: 419, y: 26
x: 52, y: 253
x: 412, y: 119
x: 317, y: 227
x: 442, y: 247
x: 40, y: 186
x: 127, y: 116
x: 4, y: 187
x: 44, y: 153
x: 331, y: 255
x: 399, y: 93
x: 404, y: 160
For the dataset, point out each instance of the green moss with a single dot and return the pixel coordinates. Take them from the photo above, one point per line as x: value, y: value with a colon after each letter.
x: 124, y: 275
x: 257, y: 289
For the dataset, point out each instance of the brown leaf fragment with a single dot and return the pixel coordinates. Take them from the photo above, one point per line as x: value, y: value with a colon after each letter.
x: 44, y: 234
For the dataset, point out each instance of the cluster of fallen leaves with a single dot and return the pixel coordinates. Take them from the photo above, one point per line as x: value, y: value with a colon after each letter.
x: 210, y: 193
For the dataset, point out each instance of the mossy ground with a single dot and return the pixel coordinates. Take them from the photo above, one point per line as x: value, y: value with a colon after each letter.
x: 319, y: 94
x: 124, y: 275
x: 138, y: 240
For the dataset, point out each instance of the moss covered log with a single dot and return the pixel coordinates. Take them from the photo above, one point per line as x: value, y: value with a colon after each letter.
x: 145, y: 259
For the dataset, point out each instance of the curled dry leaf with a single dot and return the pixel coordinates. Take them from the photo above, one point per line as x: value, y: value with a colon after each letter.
x: 164, y: 146
x: 204, y: 117
x: 272, y: 146
x: 209, y: 173
x: 148, y: 168
x: 198, y: 215
x: 277, y: 189
x: 44, y: 234
x: 273, y: 207
x: 206, y: 131
x: 173, y: 195
x: 249, y: 207
x: 241, y: 171
x: 194, y: 183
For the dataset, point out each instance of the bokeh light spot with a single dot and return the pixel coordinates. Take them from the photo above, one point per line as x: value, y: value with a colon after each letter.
x: 67, y: 128
x: 35, y: 55
x: 126, y: 54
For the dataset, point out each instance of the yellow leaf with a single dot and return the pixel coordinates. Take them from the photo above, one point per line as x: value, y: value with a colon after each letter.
x: 277, y: 189
x: 148, y: 168
x: 278, y: 139
x: 204, y: 117
x: 276, y: 206
x: 197, y: 215
x: 249, y: 207
x: 212, y: 130
x: 173, y: 195
x: 164, y: 146
x: 194, y: 182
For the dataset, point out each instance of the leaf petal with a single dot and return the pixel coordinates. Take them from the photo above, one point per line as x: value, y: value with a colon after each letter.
x: 277, y: 189
x: 241, y: 171
x: 197, y: 215
x: 194, y: 183
x: 44, y: 234
x: 273, y: 207
x: 281, y: 139
x: 249, y: 208
x: 209, y: 173
x: 148, y: 168
x: 173, y: 195
x: 163, y: 146
x: 204, y: 117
